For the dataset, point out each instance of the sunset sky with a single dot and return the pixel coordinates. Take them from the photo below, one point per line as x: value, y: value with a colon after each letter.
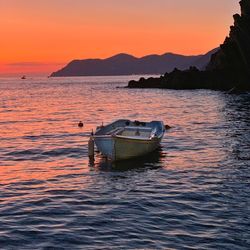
x: 40, y: 36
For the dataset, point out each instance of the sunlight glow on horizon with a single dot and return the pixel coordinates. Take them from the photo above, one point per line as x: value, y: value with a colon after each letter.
x: 52, y: 33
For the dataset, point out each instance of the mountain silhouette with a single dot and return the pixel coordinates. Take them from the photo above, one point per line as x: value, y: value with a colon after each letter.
x: 125, y: 64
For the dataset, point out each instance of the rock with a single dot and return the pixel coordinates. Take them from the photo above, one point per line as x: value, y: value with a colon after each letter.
x: 228, y: 68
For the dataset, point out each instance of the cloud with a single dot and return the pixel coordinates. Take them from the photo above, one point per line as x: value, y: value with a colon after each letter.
x: 31, y: 64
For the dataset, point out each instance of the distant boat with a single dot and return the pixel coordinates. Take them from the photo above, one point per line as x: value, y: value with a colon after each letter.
x: 125, y: 139
x: 23, y: 77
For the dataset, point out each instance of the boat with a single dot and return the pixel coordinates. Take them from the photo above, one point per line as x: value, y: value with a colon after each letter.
x: 23, y: 77
x: 124, y: 139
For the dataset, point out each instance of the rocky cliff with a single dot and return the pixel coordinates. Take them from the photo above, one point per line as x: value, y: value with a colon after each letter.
x: 228, y: 68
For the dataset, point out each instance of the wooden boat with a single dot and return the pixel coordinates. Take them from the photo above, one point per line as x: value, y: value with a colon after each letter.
x: 125, y: 139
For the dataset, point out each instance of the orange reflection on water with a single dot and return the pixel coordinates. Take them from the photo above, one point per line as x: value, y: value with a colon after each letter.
x: 40, y: 138
x: 44, y: 171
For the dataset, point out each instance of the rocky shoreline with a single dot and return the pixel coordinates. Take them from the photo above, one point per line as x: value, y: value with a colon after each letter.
x: 229, y: 67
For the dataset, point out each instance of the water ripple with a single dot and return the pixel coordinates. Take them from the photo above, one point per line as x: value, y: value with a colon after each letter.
x: 193, y: 193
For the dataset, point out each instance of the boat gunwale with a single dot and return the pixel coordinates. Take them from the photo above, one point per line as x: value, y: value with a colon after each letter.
x: 142, y: 139
x: 115, y: 136
x: 138, y: 140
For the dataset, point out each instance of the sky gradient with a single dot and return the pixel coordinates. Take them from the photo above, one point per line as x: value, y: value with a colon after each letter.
x: 38, y: 37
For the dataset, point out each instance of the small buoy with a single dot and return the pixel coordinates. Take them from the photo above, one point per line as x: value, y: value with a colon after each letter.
x: 91, y: 147
x: 80, y: 124
x: 167, y: 126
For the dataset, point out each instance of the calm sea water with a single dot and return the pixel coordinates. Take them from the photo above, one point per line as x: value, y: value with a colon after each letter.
x: 194, y: 193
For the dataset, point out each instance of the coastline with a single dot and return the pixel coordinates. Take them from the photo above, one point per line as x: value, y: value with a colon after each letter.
x: 228, y: 68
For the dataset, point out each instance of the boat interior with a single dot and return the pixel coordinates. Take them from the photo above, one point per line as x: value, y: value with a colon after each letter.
x: 135, y: 129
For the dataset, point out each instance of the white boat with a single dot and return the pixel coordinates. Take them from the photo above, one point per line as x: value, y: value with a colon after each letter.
x: 125, y: 139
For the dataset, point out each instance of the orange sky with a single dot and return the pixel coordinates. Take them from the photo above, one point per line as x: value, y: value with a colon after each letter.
x: 39, y: 36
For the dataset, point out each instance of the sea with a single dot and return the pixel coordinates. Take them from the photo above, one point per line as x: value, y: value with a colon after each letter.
x: 192, y: 193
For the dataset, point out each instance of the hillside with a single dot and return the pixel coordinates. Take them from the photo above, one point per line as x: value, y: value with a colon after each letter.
x: 124, y: 64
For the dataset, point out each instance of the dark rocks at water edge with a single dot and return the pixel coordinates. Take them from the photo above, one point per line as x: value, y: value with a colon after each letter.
x: 124, y: 64
x: 188, y: 79
x: 228, y: 68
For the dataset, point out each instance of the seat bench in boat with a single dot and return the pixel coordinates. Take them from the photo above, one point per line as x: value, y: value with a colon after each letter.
x: 131, y: 131
x: 135, y: 132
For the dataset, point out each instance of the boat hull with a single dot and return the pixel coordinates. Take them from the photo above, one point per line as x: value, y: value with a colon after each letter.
x: 117, y: 148
x: 105, y: 145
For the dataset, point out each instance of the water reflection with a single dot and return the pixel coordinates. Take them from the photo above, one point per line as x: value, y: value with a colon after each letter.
x: 196, y: 196
x: 238, y: 107
x: 153, y: 160
x: 237, y: 115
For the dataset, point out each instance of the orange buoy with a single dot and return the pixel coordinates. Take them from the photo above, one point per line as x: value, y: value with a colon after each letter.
x: 167, y: 126
x: 80, y: 124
